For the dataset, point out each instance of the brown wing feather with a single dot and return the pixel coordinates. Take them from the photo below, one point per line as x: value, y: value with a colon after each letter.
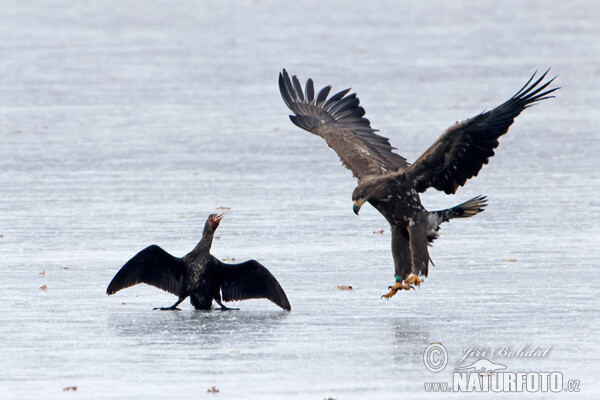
x: 153, y: 266
x: 250, y: 280
x: 339, y: 120
x: 464, y: 148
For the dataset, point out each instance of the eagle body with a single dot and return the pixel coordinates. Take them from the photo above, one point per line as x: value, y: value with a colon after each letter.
x: 397, y: 201
x: 401, y: 206
x: 391, y: 184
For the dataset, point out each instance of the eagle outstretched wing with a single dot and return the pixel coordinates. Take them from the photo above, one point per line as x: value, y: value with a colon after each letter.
x: 339, y: 120
x: 153, y: 266
x: 461, y: 151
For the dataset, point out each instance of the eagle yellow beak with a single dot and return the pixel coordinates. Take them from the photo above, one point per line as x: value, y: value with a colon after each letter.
x: 357, y: 205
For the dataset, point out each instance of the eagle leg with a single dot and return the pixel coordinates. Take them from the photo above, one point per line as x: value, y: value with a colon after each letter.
x: 413, y: 280
x: 394, y: 289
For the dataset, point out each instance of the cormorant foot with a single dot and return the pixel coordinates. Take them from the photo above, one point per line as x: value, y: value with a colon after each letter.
x: 223, y: 308
x: 413, y: 280
x: 167, y: 308
x: 394, y: 289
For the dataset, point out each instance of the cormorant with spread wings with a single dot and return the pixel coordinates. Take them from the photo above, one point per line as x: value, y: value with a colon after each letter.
x: 392, y: 185
x: 200, y: 275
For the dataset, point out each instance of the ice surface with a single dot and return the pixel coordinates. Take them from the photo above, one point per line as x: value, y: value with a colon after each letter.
x: 124, y: 124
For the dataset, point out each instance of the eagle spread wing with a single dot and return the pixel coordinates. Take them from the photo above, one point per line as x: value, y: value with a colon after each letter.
x: 463, y: 148
x: 153, y: 266
x: 339, y: 120
x: 250, y: 280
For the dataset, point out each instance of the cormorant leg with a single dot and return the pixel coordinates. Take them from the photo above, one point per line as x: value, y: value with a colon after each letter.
x: 223, y: 307
x: 173, y: 307
x: 394, y: 289
x: 413, y: 280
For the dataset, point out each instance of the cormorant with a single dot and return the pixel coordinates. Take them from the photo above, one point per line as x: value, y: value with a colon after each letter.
x: 200, y: 275
x: 388, y: 182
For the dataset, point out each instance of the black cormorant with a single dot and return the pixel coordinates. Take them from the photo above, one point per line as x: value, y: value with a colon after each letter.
x: 200, y: 275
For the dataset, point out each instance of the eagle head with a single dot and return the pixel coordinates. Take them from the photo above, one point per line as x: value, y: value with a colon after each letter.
x: 359, y: 197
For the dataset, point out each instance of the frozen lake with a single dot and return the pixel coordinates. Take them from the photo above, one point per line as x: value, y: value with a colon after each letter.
x: 124, y: 124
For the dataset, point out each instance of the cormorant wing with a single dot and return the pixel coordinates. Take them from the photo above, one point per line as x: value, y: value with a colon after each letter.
x: 463, y: 148
x: 339, y: 120
x: 153, y: 266
x: 250, y: 280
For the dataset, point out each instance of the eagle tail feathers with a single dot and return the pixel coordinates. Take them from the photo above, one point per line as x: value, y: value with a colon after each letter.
x: 463, y: 210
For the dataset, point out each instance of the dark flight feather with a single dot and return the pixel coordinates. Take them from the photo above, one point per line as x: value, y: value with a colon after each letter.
x: 323, y: 93
x: 250, y: 280
x: 465, y: 147
x: 153, y: 266
x: 310, y: 91
x: 298, y: 89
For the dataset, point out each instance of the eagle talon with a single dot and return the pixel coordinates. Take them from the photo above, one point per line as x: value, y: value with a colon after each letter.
x: 413, y: 280
x: 394, y: 289
x: 390, y: 294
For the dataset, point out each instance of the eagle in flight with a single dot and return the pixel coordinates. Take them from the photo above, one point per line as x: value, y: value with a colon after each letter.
x: 392, y: 185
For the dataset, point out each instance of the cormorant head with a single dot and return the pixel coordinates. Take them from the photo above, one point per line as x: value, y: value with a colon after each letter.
x: 359, y: 197
x: 213, y: 221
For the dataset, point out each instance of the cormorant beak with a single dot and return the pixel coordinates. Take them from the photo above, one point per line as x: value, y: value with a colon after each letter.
x: 357, y: 205
x: 218, y: 218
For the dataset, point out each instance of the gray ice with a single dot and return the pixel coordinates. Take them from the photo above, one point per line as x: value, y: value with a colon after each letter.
x: 124, y: 124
